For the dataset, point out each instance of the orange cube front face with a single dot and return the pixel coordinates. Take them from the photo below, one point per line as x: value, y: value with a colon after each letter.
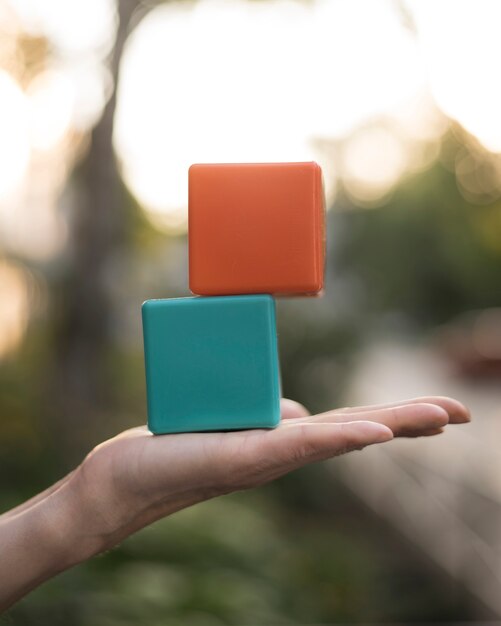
x: 256, y: 228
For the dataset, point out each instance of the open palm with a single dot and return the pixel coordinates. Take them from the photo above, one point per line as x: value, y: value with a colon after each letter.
x: 136, y: 477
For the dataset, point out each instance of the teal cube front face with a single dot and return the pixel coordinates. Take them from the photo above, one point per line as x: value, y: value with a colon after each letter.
x: 211, y: 363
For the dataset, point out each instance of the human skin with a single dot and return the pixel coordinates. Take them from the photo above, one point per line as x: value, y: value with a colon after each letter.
x: 136, y: 478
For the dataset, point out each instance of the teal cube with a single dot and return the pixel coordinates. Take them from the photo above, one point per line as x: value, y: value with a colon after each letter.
x: 211, y: 363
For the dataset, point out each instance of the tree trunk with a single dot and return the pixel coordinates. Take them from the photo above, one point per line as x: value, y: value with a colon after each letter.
x: 97, y: 232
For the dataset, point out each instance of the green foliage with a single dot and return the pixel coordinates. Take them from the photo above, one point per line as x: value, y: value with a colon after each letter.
x: 428, y: 253
x: 247, y: 559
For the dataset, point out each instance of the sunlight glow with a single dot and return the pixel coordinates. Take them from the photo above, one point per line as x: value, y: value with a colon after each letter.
x: 195, y: 86
x: 51, y: 101
x: 373, y: 160
x: 14, y: 142
x: 14, y: 306
x: 361, y: 86
x: 73, y: 27
x: 81, y: 35
x: 461, y: 44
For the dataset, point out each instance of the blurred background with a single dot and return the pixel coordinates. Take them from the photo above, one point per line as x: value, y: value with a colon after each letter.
x: 103, y: 106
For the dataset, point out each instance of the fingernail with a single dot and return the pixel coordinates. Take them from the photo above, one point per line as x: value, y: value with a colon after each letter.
x: 460, y: 413
x: 378, y: 433
x: 442, y: 417
x: 463, y: 417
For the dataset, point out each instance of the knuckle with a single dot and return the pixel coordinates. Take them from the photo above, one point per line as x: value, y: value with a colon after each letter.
x: 305, y: 446
x: 395, y: 417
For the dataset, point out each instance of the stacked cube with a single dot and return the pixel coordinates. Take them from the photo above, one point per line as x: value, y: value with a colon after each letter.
x: 255, y: 231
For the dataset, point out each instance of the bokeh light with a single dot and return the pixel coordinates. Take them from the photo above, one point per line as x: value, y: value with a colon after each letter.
x: 51, y: 104
x: 373, y: 161
x: 461, y: 47
x: 14, y: 306
x: 74, y: 28
x: 196, y: 87
x: 14, y: 142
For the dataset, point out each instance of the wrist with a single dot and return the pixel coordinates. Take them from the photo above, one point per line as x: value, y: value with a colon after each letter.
x: 65, y: 528
x: 40, y: 541
x: 114, y: 502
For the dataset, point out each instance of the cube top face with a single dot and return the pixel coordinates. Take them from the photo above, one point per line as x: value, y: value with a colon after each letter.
x: 256, y: 228
x: 211, y: 363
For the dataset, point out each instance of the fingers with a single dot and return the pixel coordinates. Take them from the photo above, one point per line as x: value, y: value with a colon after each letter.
x: 290, y: 409
x: 458, y: 412
x: 409, y: 420
x: 427, y: 433
x: 287, y: 448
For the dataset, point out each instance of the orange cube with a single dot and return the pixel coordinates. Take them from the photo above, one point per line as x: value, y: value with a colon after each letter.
x: 256, y: 228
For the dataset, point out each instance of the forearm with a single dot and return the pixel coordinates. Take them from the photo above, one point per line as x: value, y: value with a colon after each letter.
x: 34, y: 500
x: 67, y: 524
x: 40, y: 539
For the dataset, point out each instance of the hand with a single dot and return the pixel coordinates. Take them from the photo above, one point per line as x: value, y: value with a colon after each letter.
x: 136, y: 478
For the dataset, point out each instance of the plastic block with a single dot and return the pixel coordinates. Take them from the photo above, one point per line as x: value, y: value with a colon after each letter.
x: 256, y: 228
x: 211, y: 363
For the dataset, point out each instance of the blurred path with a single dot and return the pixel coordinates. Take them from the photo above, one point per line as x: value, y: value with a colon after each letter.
x: 443, y: 493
